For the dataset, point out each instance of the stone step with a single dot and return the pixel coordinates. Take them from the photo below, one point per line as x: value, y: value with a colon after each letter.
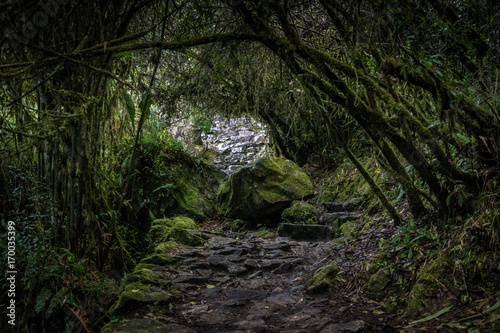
x: 305, y: 232
x: 339, y: 217
x: 347, y: 206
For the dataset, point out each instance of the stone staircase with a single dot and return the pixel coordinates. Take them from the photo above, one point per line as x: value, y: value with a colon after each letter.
x: 335, y: 214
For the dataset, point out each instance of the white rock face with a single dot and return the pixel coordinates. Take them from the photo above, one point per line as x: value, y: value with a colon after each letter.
x: 238, y: 141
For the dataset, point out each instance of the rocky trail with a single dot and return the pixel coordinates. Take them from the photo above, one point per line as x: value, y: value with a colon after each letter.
x: 254, y: 281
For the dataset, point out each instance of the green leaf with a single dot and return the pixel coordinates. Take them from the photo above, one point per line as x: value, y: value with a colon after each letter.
x: 407, y: 239
x: 60, y: 298
x: 494, y: 307
x: 71, y: 256
x: 163, y: 187
x: 426, y: 62
x: 210, y: 286
x: 448, y: 199
x: 129, y: 103
x: 78, y: 270
x: 55, y: 269
x: 42, y: 298
x: 435, y: 315
x: 145, y: 103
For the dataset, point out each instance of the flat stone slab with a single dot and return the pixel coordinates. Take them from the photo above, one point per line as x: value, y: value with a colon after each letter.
x: 332, y: 207
x: 346, y: 206
x: 305, y: 232
x: 331, y: 218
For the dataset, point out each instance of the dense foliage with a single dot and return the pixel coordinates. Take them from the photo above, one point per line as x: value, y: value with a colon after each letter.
x: 413, y: 82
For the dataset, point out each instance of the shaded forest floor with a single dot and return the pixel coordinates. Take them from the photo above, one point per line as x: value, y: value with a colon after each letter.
x: 256, y: 281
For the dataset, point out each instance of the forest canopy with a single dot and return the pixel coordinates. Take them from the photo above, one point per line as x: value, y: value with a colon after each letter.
x: 413, y: 82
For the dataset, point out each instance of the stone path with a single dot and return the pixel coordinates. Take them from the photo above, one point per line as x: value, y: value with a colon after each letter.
x: 243, y: 282
x: 252, y: 284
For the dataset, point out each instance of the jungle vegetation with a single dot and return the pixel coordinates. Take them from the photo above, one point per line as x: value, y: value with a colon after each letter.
x: 85, y: 83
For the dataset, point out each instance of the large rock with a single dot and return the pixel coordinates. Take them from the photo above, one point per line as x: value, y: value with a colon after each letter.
x: 324, y: 278
x: 300, y: 212
x: 173, y: 183
x: 263, y: 189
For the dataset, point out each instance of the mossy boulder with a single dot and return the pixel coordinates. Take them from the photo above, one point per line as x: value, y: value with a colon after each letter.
x: 427, y: 290
x: 176, y: 221
x: 137, y: 294
x: 348, y: 229
x: 166, y: 247
x: 377, y: 283
x: 300, y: 212
x: 170, y: 230
x: 172, y: 182
x: 263, y: 189
x: 143, y: 325
x: 324, y: 278
x: 144, y: 275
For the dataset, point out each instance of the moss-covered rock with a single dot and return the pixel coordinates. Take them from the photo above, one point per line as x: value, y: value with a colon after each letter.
x: 176, y: 221
x: 137, y: 294
x: 160, y: 260
x: 162, y: 232
x: 144, y: 275
x: 348, y: 229
x: 324, y: 278
x: 427, y: 292
x: 378, y: 282
x: 144, y: 325
x: 300, y: 212
x: 166, y: 247
x: 172, y: 182
x: 263, y: 189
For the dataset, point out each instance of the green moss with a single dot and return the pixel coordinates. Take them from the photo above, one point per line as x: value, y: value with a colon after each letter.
x: 348, y: 229
x: 427, y: 288
x: 144, y: 266
x: 166, y: 247
x: 324, y: 278
x: 262, y: 189
x: 183, y: 236
x: 137, y: 294
x: 176, y: 184
x: 300, y: 212
x: 381, y: 258
x: 239, y: 225
x: 378, y: 282
x: 160, y: 232
x: 160, y: 260
x: 346, y: 183
x: 144, y: 275
x: 176, y: 221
